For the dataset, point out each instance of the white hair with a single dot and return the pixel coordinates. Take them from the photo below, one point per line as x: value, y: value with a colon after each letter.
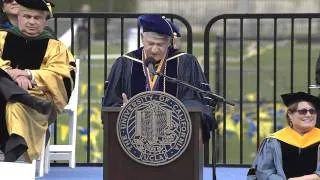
x: 156, y: 35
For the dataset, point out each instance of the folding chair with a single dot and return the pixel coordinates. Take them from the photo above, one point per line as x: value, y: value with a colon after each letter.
x: 39, y: 164
x: 66, y: 151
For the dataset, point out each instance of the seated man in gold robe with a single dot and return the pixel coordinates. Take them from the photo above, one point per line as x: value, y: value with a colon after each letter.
x: 36, y: 81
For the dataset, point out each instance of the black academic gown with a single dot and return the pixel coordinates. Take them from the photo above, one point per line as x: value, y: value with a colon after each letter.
x: 287, y: 154
x: 299, y: 153
x: 127, y: 76
x: 7, y: 89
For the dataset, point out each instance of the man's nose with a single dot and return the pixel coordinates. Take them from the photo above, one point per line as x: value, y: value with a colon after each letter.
x: 31, y: 20
x: 154, y: 49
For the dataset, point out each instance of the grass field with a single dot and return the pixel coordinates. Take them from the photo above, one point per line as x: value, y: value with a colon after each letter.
x: 249, y: 84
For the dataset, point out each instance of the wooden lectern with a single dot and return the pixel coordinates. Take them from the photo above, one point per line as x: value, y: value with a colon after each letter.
x: 117, y: 165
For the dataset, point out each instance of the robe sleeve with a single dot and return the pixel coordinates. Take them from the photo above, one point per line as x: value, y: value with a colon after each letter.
x: 72, y: 71
x: 191, y: 98
x: 118, y: 82
x: 318, y: 162
x: 267, y: 157
x: 54, y: 73
x: 4, y: 64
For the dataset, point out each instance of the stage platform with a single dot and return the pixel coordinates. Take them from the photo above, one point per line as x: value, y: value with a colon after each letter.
x: 95, y: 173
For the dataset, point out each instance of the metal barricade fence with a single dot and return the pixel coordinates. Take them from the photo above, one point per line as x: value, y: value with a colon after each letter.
x: 255, y: 58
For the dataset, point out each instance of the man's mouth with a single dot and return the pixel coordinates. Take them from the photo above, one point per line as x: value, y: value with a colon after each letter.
x: 31, y: 28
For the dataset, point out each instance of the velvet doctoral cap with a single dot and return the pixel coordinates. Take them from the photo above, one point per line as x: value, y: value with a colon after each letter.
x: 42, y: 5
x: 157, y: 23
x: 292, y: 98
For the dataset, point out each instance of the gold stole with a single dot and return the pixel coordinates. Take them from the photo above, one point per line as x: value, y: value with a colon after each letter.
x: 290, y: 136
x: 153, y: 78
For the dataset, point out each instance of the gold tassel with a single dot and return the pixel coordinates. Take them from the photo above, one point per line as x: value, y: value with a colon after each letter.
x: 50, y: 9
x: 174, y: 41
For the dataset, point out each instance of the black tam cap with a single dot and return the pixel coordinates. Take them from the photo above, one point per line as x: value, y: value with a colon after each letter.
x: 292, y: 98
x: 43, y: 5
x: 159, y: 24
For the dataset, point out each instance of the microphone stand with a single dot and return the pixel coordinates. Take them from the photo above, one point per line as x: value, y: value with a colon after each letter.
x: 211, y: 95
x: 219, y: 98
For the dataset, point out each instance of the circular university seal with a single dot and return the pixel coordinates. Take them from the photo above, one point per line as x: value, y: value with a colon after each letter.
x: 154, y: 128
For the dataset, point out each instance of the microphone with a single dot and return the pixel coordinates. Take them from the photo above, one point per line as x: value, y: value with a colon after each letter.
x: 150, y: 62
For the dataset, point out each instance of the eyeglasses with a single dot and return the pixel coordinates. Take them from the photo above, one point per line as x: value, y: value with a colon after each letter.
x: 7, y: 1
x: 305, y: 111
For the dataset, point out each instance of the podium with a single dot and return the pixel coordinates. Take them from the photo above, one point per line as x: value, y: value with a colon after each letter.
x: 117, y: 165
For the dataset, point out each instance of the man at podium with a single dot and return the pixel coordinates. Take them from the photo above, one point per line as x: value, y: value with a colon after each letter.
x: 130, y: 74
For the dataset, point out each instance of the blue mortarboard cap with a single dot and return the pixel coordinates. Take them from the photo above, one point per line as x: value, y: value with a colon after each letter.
x: 157, y: 23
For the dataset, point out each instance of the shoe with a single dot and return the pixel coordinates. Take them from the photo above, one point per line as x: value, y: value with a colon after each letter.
x: 38, y: 104
x: 15, y: 147
x: 14, y: 154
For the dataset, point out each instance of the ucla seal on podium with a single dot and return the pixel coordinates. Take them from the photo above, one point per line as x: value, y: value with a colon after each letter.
x: 154, y: 128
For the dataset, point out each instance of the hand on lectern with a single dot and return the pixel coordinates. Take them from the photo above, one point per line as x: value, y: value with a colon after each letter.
x: 124, y: 99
